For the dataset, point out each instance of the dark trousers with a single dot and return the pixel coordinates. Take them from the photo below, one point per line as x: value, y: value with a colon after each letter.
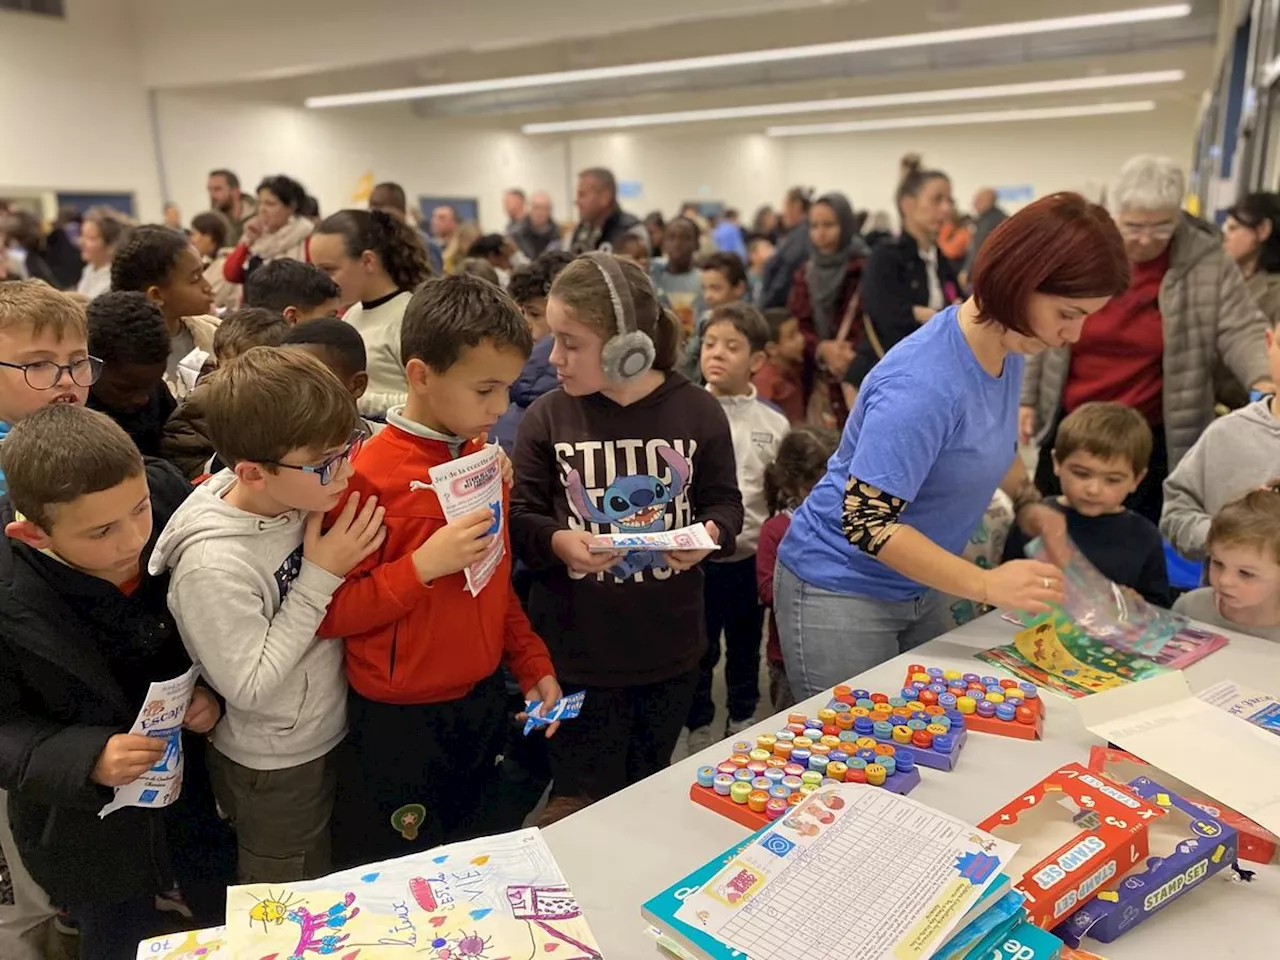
x: 111, y: 931
x: 413, y: 776
x: 732, y: 607
x: 623, y: 735
x: 1147, y: 500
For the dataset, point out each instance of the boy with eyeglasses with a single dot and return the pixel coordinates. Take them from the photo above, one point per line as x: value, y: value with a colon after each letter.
x: 252, y: 576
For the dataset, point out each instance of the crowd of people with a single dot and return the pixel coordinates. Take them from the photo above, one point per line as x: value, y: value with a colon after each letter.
x: 218, y: 443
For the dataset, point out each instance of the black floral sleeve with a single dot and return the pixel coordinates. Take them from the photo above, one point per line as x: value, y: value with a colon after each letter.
x: 870, y: 516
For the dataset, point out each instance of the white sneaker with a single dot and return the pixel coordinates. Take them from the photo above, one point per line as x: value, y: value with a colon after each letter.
x: 735, y: 727
x: 701, y: 738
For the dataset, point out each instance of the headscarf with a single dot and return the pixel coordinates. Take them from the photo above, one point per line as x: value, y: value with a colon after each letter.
x: 826, y: 272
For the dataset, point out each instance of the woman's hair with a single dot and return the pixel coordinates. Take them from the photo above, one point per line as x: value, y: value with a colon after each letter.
x: 1148, y: 183
x: 1253, y: 520
x: 802, y: 196
x: 1062, y: 245
x: 397, y: 245
x: 285, y: 189
x: 915, y: 178
x: 455, y: 251
x: 111, y: 223
x: 1252, y: 211
x: 211, y: 224
x: 488, y: 245
x: 800, y: 462
x: 147, y: 257
x: 582, y: 288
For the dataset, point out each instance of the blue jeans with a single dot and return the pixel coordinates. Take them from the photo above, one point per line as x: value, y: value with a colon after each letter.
x: 828, y: 638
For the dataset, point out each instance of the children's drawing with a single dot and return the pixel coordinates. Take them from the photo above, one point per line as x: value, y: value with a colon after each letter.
x: 408, y: 820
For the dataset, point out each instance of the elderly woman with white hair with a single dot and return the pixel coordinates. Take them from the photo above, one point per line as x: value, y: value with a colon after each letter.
x: 1155, y: 346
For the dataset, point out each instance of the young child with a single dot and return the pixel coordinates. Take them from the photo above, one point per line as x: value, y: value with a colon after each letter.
x: 209, y: 237
x: 300, y: 292
x: 422, y: 653
x: 251, y: 579
x: 1244, y: 568
x: 1237, y: 453
x: 1100, y: 456
x: 244, y: 329
x: 780, y: 379
x: 529, y: 288
x: 336, y: 344
x: 676, y: 277
x: 724, y: 280
x: 759, y: 249
x: 164, y: 265
x: 733, y: 343
x: 482, y: 268
x: 801, y: 462
x: 627, y: 445
x: 128, y: 334
x: 84, y: 629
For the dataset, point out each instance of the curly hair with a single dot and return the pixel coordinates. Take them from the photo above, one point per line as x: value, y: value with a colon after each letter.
x: 285, y: 189
x: 125, y: 327
x: 800, y: 463
x: 147, y: 257
x: 397, y: 245
x: 533, y: 281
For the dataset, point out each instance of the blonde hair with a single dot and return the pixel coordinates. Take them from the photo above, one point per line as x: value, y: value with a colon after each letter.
x: 37, y: 307
x: 455, y: 251
x: 1253, y: 521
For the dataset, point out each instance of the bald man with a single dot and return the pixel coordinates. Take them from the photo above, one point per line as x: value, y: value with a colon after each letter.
x: 987, y: 216
x: 536, y: 232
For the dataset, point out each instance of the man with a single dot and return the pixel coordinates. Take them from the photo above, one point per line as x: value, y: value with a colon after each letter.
x: 389, y: 198
x: 444, y: 221
x: 987, y: 216
x: 537, y: 233
x: 225, y: 197
x: 792, y: 250
x: 603, y: 222
x: 513, y: 202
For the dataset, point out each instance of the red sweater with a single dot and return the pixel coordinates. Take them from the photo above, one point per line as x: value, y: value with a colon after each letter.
x: 771, y: 534
x: 407, y: 642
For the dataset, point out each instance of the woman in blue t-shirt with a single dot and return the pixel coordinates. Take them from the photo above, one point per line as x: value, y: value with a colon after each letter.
x: 873, y: 549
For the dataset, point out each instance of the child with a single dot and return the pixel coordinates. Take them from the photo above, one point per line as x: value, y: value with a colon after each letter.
x: 1100, y: 456
x: 84, y: 629
x: 251, y: 580
x: 300, y: 292
x: 336, y: 344
x: 164, y: 265
x: 127, y: 334
x: 759, y: 249
x: 724, y: 280
x: 1237, y: 453
x: 209, y: 237
x: 676, y: 277
x: 626, y: 445
x: 1244, y: 568
x: 733, y: 343
x: 244, y: 329
x: 482, y: 268
x: 529, y: 288
x: 800, y: 463
x: 422, y: 653
x: 377, y: 262
x: 780, y: 380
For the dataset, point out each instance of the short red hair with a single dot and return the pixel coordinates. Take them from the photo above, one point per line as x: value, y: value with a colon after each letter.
x: 1061, y: 245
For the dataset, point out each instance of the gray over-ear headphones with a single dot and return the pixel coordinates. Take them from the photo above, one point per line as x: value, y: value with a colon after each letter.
x: 629, y: 353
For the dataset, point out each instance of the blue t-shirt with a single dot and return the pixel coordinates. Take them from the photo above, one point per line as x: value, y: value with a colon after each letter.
x: 4, y: 432
x: 930, y: 426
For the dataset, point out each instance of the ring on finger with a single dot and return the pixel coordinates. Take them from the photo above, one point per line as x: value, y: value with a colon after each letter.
x: 1048, y: 584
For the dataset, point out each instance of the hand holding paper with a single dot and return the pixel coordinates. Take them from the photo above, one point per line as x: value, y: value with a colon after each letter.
x: 455, y: 546
x: 126, y: 757
x: 699, y: 539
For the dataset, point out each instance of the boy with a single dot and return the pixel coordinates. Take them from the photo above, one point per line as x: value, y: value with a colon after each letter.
x: 759, y: 249
x: 127, y: 333
x: 84, y: 629
x: 339, y: 346
x: 780, y: 379
x: 245, y: 328
x: 422, y: 653
x: 1237, y: 453
x: 733, y: 344
x: 301, y: 292
x: 1100, y: 456
x: 676, y: 277
x: 251, y: 579
x: 724, y: 280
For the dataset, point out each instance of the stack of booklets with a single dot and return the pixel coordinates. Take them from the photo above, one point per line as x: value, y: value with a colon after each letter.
x: 857, y: 872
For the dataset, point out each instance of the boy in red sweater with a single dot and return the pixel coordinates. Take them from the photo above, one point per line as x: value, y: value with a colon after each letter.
x: 427, y: 706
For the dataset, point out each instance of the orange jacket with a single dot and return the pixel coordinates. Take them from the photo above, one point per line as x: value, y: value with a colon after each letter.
x: 407, y: 642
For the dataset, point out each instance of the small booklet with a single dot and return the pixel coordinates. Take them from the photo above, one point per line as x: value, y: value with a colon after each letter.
x: 694, y: 537
x: 471, y: 483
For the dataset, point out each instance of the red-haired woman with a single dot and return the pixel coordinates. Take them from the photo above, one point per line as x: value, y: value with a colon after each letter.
x: 875, y: 546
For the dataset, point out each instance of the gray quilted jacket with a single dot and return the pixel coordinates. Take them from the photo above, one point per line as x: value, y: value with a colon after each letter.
x: 1208, y: 314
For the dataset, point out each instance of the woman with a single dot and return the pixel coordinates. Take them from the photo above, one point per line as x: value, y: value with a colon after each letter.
x: 1251, y: 238
x: 100, y: 234
x: 455, y: 252
x: 825, y: 298
x: 277, y: 231
x: 907, y: 280
x: 1155, y: 347
x: 872, y: 551
x: 765, y: 223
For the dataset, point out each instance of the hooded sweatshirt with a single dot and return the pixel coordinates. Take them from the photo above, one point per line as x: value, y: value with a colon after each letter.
x: 757, y: 429
x: 1237, y: 453
x: 248, y: 605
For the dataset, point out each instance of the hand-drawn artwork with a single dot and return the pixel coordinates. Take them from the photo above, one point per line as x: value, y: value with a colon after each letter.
x: 408, y: 820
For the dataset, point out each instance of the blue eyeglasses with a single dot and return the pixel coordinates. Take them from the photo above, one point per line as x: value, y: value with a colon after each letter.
x: 326, y: 470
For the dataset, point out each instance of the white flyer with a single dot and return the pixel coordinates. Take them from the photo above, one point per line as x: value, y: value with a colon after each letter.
x: 693, y: 537
x: 467, y: 484
x: 161, y: 716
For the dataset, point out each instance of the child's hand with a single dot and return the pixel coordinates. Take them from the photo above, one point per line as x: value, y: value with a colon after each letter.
x: 349, y: 540
x: 455, y: 546
x: 548, y: 691
x: 573, y: 549
x: 204, y: 713
x: 126, y: 757
x: 508, y: 470
x: 684, y: 559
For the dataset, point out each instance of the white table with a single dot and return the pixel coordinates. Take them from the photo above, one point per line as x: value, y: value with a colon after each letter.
x: 620, y: 852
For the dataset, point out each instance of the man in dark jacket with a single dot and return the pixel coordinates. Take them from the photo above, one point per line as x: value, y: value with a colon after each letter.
x: 987, y: 215
x: 536, y: 233
x: 84, y: 630
x: 792, y: 250
x: 603, y: 222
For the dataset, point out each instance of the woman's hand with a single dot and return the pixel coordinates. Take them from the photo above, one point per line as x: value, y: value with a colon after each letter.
x: 252, y: 231
x: 1027, y: 585
x: 834, y: 356
x: 1050, y: 525
x: 1026, y: 424
x: 685, y: 559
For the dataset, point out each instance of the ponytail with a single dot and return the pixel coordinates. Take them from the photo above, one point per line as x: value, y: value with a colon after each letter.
x: 397, y: 245
x: 666, y: 340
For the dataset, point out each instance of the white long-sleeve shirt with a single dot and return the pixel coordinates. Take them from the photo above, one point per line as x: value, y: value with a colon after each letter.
x: 757, y: 429
x: 378, y: 322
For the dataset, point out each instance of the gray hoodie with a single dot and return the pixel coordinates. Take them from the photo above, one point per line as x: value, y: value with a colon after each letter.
x: 1237, y: 453
x: 248, y: 606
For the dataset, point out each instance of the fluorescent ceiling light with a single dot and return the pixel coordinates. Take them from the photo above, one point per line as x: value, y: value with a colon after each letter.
x: 999, y: 91
x: 960, y: 119
x: 753, y: 57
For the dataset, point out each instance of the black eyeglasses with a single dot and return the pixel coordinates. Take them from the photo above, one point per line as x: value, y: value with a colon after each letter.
x: 326, y: 470
x: 45, y: 374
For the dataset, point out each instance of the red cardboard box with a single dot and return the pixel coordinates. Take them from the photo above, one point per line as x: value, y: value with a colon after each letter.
x: 1078, y: 830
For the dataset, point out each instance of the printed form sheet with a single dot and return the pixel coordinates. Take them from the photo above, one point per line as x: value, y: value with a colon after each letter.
x: 852, y: 873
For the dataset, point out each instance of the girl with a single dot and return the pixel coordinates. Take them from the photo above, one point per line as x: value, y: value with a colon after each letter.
x: 1251, y: 237
x: 99, y: 235
x: 627, y: 445
x: 209, y: 235
x: 277, y: 230
x: 800, y: 463
x: 377, y: 261
x: 164, y: 265
x: 455, y: 252
x: 1244, y: 568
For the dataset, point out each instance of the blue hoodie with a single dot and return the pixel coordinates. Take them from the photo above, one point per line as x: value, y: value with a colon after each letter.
x: 4, y: 432
x: 537, y: 377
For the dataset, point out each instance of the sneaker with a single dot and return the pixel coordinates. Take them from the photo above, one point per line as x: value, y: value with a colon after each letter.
x: 735, y: 727
x: 701, y: 738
